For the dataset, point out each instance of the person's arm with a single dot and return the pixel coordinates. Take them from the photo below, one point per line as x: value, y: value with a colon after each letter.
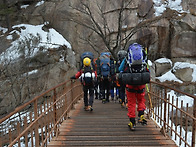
x: 77, y: 75
x: 95, y: 74
x: 121, y: 67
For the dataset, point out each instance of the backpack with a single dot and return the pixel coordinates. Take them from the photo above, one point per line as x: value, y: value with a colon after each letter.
x: 121, y: 55
x: 88, y: 76
x: 135, y: 72
x: 105, y: 64
x: 137, y: 59
x: 89, y: 55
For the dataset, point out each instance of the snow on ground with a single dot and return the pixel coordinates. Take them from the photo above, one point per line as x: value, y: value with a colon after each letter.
x: 3, y: 29
x: 50, y: 39
x: 39, y: 3
x: 164, y: 60
x: 169, y: 76
x: 180, y: 65
x: 160, y: 6
x: 186, y: 99
x: 24, y: 6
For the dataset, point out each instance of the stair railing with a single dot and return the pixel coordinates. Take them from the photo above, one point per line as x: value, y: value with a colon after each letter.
x: 176, y: 118
x: 36, y: 122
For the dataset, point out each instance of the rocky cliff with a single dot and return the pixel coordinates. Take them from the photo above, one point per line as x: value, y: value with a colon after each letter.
x: 171, y: 33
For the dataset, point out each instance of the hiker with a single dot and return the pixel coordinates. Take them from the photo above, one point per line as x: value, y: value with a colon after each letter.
x: 87, y: 76
x: 96, y: 85
x: 105, y: 75
x: 113, y: 87
x: 121, y: 55
x: 135, y: 75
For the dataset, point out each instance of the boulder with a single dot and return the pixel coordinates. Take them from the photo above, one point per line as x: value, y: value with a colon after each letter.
x: 161, y: 67
x: 184, y: 45
x: 145, y: 9
x: 184, y: 74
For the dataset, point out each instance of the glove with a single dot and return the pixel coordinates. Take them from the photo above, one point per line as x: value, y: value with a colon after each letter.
x: 73, y: 77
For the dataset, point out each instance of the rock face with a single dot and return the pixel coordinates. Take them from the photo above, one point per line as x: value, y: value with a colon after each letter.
x: 168, y: 36
x: 36, y: 70
x: 184, y: 74
x: 184, y: 45
x: 162, y: 68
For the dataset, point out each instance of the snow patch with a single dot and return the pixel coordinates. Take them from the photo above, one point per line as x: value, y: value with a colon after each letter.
x: 160, y: 6
x: 50, y: 39
x: 39, y: 3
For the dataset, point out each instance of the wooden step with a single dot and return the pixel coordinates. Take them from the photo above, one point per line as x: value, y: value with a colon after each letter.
x: 106, y: 125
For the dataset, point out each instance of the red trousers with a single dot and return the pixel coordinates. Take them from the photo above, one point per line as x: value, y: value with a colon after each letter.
x: 135, y: 97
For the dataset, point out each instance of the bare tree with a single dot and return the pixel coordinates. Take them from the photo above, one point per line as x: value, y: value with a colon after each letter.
x: 115, y: 35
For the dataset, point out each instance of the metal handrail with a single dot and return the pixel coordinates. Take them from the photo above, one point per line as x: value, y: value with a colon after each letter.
x: 173, y: 118
x: 37, y: 121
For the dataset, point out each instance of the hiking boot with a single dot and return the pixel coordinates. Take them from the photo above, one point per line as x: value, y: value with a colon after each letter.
x: 142, y: 120
x: 86, y: 108
x: 90, y: 108
x: 123, y: 104
x: 120, y: 101
x: 103, y: 101
x: 126, y: 106
x: 131, y: 126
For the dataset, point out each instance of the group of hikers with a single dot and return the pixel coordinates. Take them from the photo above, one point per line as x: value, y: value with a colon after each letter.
x: 127, y: 76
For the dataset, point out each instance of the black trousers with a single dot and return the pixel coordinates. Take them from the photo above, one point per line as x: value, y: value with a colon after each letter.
x: 88, y: 95
x: 105, y: 89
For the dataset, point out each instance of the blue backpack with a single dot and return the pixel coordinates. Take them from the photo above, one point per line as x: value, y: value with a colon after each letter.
x: 105, y: 64
x: 137, y: 58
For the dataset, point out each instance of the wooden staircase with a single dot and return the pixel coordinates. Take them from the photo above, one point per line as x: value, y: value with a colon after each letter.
x: 106, y: 125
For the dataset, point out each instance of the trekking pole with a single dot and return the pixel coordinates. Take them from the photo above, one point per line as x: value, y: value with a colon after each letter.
x: 150, y: 101
x: 149, y: 97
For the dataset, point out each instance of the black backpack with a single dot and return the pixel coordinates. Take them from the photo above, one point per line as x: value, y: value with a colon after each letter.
x: 135, y: 72
x: 88, y: 75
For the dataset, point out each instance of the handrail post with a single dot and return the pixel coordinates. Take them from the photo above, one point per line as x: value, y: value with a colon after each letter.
x: 151, y: 106
x: 54, y: 109
x: 36, y: 124
x: 72, y: 85
x: 194, y: 125
x: 165, y: 109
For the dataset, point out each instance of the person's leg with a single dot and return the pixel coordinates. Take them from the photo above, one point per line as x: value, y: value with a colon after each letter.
x: 131, y: 97
x: 117, y: 92
x: 107, y: 90
x: 141, y: 101
x: 85, y: 89
x: 122, y: 95
x: 112, y: 91
x: 91, y: 98
x: 102, y: 91
x: 141, y: 108
x: 96, y: 90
